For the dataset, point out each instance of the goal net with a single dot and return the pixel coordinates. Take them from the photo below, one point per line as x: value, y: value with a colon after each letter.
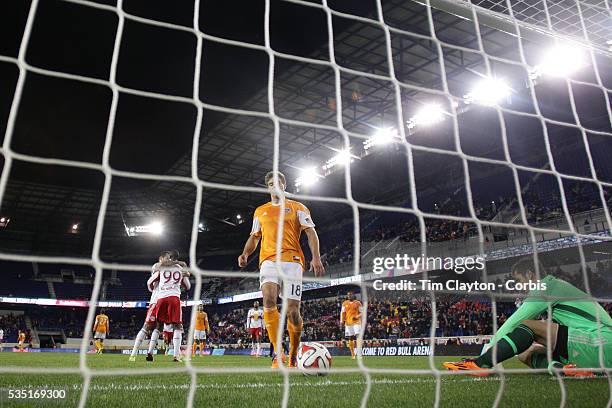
x: 443, y: 129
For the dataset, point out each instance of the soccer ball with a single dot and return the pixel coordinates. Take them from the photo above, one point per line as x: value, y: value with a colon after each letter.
x: 313, y: 359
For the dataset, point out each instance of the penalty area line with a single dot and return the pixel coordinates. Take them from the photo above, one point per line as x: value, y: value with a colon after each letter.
x: 255, y: 385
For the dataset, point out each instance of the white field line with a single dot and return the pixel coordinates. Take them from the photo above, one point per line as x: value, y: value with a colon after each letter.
x: 256, y: 385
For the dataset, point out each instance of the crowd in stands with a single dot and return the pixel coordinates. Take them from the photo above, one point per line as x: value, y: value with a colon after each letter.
x: 599, y: 284
x: 125, y: 322
x: 437, y: 230
x: 11, y: 324
x: 387, y: 319
x: 540, y: 206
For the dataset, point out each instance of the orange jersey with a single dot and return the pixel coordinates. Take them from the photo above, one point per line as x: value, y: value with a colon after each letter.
x: 265, y: 223
x: 21, y: 336
x: 201, y: 321
x: 101, y: 325
x: 351, y: 312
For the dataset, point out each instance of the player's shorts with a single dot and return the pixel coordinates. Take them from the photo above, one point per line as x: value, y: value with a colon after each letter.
x: 167, y: 310
x: 352, y: 330
x: 292, y: 282
x: 199, y: 335
x: 583, y: 347
x: 255, y: 332
x: 148, y: 319
x: 99, y: 335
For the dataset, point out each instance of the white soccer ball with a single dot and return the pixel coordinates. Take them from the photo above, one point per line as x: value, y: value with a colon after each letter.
x: 313, y: 359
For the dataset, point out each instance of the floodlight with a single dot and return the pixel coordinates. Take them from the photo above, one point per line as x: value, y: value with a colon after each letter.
x: 381, y: 137
x: 489, y: 91
x: 428, y: 115
x: 308, y: 176
x: 560, y: 61
x: 156, y: 228
x: 343, y: 157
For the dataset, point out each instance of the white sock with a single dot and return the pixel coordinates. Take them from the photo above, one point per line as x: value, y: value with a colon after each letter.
x: 258, y: 348
x: 139, y: 338
x: 177, y: 343
x: 153, y: 341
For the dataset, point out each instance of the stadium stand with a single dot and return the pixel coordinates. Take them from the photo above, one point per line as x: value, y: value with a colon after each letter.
x: 388, y: 318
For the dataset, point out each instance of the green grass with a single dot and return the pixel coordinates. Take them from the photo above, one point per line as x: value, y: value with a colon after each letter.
x: 264, y: 390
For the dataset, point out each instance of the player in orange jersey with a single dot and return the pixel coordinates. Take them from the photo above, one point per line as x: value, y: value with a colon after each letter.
x: 350, y: 316
x: 21, y: 340
x: 265, y: 225
x: 201, y: 329
x: 100, y: 329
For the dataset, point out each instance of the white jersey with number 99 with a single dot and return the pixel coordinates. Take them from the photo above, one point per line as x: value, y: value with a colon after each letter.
x: 168, y: 280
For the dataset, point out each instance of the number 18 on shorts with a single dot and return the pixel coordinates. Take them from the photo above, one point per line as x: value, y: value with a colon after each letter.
x: 291, y: 282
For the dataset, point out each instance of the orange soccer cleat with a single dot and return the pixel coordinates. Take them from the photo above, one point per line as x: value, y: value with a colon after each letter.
x: 275, y: 360
x: 466, y: 365
x: 570, y: 370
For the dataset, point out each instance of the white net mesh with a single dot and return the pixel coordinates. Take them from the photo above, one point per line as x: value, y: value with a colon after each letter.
x: 584, y: 20
x: 528, y: 22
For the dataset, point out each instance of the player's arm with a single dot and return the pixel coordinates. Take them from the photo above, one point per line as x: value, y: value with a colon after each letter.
x: 313, y: 242
x: 185, y: 267
x: 206, y: 326
x: 308, y: 226
x: 186, y: 283
x: 153, y: 281
x: 95, y: 325
x: 342, y: 314
x: 249, y: 247
x: 248, y: 322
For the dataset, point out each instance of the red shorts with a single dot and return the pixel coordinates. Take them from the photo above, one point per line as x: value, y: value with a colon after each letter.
x: 255, y: 332
x: 168, y: 310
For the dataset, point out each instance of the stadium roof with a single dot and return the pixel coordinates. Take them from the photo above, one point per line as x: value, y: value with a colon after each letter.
x: 66, y: 119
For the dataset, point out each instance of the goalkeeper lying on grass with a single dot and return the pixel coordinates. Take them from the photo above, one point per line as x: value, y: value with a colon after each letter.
x: 576, y: 335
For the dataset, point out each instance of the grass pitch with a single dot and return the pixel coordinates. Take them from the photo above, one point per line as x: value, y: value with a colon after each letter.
x: 265, y: 389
